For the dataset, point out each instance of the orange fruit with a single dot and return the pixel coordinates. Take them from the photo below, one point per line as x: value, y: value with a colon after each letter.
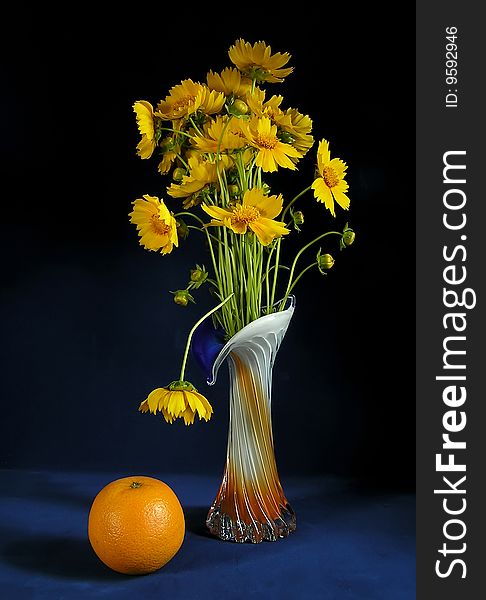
x: 136, y: 525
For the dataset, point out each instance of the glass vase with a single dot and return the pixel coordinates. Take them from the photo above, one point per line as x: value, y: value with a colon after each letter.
x: 250, y: 504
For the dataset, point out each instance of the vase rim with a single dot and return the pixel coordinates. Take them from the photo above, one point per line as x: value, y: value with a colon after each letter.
x: 283, y: 315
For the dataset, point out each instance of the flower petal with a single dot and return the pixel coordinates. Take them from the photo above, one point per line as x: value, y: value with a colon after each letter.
x: 323, y: 194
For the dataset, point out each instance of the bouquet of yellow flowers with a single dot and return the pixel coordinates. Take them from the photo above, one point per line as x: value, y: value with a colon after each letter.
x: 217, y: 141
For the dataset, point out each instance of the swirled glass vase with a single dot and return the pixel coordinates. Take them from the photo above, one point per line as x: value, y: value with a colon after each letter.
x: 250, y: 504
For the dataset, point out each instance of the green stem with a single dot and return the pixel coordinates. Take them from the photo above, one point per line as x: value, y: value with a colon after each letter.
x: 183, y: 161
x: 297, y: 256
x: 300, y: 275
x: 178, y: 132
x: 191, y: 333
x: 190, y: 214
x: 265, y: 276
x: 275, y: 275
x: 282, y: 218
x: 195, y: 126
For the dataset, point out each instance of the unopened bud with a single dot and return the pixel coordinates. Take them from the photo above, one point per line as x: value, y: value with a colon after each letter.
x: 182, y: 297
x: 233, y: 190
x: 348, y: 237
x: 238, y: 108
x: 297, y: 218
x: 286, y: 137
x: 198, y: 276
x: 178, y: 174
x: 324, y: 261
x: 182, y: 229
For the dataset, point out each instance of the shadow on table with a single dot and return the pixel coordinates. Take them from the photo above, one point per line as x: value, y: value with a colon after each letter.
x: 196, y: 521
x: 59, y: 557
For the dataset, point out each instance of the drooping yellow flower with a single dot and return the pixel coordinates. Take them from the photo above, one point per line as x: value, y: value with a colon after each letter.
x: 218, y: 134
x: 188, y: 97
x: 156, y: 225
x: 330, y: 186
x: 299, y: 128
x: 258, y: 62
x: 229, y: 82
x: 256, y: 212
x: 271, y: 152
x: 146, y: 127
x: 180, y: 399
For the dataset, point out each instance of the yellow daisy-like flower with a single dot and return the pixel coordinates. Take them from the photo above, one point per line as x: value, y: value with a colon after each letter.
x: 202, y: 173
x: 256, y: 212
x: 270, y: 108
x: 229, y: 82
x: 156, y: 225
x: 330, y: 186
x: 217, y: 135
x: 299, y: 128
x: 146, y: 127
x: 271, y: 152
x: 187, y: 98
x: 258, y: 62
x: 180, y: 399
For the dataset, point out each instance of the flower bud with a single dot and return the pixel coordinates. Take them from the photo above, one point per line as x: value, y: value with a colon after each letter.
x: 324, y: 261
x: 297, y: 218
x: 238, y: 108
x: 167, y: 145
x: 182, y: 297
x: 285, y: 137
x: 348, y: 237
x: 182, y: 229
x: 233, y: 190
x: 198, y: 276
x: 178, y: 174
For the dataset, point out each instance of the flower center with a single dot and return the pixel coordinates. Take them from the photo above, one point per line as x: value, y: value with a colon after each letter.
x: 182, y: 103
x: 267, y: 142
x: 330, y: 177
x: 244, y: 214
x: 159, y: 226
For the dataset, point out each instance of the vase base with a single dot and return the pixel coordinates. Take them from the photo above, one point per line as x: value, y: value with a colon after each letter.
x: 223, y: 526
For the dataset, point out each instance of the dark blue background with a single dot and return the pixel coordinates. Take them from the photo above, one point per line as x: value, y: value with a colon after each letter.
x: 88, y: 325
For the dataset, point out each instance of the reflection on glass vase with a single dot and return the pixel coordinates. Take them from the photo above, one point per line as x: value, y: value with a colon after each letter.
x: 250, y: 504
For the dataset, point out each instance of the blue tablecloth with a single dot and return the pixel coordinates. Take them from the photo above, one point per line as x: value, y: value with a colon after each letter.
x: 349, y: 544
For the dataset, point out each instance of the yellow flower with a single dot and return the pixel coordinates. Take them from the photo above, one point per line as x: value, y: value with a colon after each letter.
x: 257, y: 212
x: 229, y: 82
x: 258, y: 62
x: 292, y: 127
x: 218, y: 134
x: 330, y: 186
x: 180, y: 399
x: 272, y: 153
x: 202, y: 174
x: 270, y: 108
x: 299, y: 128
x: 156, y: 225
x: 146, y: 127
x: 187, y: 98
